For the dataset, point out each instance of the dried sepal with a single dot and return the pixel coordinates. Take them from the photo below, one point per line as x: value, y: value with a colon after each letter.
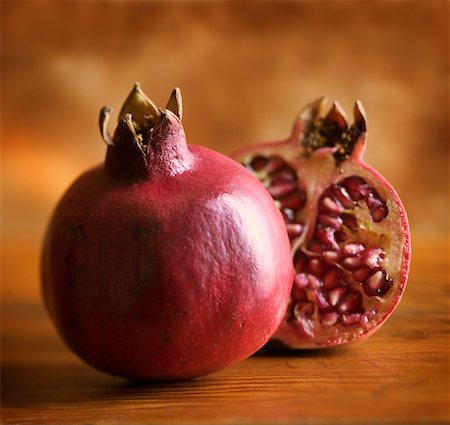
x: 332, y: 129
x: 175, y: 103
x: 141, y: 108
x: 105, y: 113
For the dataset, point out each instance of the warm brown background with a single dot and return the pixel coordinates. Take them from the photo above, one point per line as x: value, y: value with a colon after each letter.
x: 245, y: 70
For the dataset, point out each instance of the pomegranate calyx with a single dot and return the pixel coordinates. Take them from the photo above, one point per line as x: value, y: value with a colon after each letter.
x: 332, y: 129
x: 145, y: 113
x: 175, y: 103
x: 148, y: 142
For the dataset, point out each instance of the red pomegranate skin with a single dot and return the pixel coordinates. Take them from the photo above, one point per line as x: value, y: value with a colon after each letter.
x: 170, y: 271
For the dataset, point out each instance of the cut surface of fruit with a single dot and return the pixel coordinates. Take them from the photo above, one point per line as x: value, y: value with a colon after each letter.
x: 347, y: 226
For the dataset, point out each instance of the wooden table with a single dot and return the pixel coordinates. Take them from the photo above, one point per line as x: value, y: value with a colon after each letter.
x: 400, y: 375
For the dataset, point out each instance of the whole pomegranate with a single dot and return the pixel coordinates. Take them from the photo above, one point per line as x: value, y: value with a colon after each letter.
x: 169, y: 261
x: 348, y: 229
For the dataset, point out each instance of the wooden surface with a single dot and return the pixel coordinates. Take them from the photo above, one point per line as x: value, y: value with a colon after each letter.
x: 400, y: 375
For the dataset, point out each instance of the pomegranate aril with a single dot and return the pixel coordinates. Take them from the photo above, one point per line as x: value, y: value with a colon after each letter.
x: 349, y: 221
x: 277, y: 191
x: 328, y: 220
x: 314, y: 283
x: 288, y: 214
x: 351, y: 263
x: 301, y: 280
x: 331, y: 278
x: 371, y: 257
x: 315, y: 247
x: 351, y: 303
x: 300, y: 261
x: 274, y: 164
x: 353, y: 249
x: 304, y: 308
x: 329, y: 319
x: 326, y: 236
x: 350, y: 319
x: 340, y: 236
x: 283, y: 175
x: 377, y: 284
x: 259, y: 162
x: 330, y: 205
x: 336, y: 295
x: 354, y: 186
x: 379, y: 213
x: 298, y: 294
x: 360, y: 274
x: 295, y: 200
x: 294, y: 230
x: 330, y: 256
x: 320, y: 300
x: 315, y: 266
x: 342, y: 196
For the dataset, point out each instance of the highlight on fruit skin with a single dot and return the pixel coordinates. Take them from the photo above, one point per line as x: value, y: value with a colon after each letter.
x: 169, y: 261
x: 349, y: 233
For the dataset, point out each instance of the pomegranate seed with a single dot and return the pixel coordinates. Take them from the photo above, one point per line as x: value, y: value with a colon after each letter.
x: 329, y: 319
x: 288, y: 214
x: 331, y: 256
x: 326, y: 236
x: 314, y: 266
x: 377, y: 284
x: 283, y: 175
x: 302, y: 309
x: 258, y: 163
x: 301, y: 280
x: 371, y: 257
x: 330, y: 280
x: 328, y: 220
x: 350, y: 319
x: 354, y: 185
x: 379, y: 213
x: 351, y: 263
x: 313, y: 282
x: 336, y: 295
x: 294, y: 230
x: 295, y: 200
x: 342, y: 196
x: 340, y: 236
x: 298, y: 294
x: 300, y: 261
x: 350, y: 303
x: 274, y: 164
x: 305, y: 327
x: 315, y: 246
x: 279, y: 190
x: 331, y: 206
x: 353, y: 249
x: 360, y: 274
x: 320, y: 300
x: 350, y: 221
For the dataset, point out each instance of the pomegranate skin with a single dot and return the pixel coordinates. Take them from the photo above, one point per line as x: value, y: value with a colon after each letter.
x: 169, y: 276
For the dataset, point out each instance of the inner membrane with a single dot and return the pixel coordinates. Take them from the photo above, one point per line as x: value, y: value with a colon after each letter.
x: 340, y: 280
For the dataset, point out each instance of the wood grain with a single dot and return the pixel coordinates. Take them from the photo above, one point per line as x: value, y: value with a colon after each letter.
x: 400, y: 375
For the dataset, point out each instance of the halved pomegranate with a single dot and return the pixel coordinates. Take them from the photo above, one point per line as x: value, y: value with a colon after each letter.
x: 348, y: 228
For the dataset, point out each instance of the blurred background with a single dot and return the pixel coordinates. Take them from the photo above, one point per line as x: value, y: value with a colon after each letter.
x: 245, y: 70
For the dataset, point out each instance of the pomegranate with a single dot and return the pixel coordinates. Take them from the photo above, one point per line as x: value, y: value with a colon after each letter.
x: 169, y: 261
x: 347, y: 226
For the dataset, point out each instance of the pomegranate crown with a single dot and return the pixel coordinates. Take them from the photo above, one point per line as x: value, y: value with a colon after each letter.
x: 317, y: 128
x: 140, y: 114
x: 147, y: 138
